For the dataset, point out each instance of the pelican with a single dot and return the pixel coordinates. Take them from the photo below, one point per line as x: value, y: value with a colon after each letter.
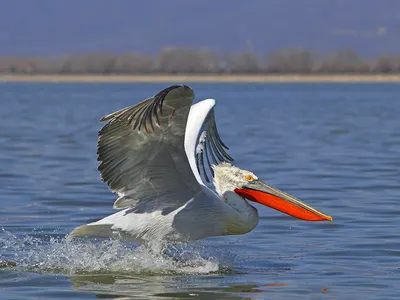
x: 154, y: 155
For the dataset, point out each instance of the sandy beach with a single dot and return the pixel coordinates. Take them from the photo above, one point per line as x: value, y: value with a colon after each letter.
x: 201, y: 78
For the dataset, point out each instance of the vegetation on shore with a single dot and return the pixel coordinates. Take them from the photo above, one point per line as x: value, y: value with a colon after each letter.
x: 203, y: 62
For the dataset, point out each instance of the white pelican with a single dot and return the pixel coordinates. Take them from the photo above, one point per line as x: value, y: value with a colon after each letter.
x: 151, y: 154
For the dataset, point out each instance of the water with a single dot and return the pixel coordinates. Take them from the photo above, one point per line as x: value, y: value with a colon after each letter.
x: 335, y: 146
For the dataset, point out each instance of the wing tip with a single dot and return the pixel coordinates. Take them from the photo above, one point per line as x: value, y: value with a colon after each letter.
x: 104, y: 118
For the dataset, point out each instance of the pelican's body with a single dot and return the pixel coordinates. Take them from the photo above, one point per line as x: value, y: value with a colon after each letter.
x: 152, y: 155
x: 202, y: 216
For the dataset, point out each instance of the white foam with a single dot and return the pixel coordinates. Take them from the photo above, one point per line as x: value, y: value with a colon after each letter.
x: 84, y: 256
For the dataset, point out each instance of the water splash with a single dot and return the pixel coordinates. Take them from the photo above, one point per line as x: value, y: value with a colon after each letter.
x: 55, y: 254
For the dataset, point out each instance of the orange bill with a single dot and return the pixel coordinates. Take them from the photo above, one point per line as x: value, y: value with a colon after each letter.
x: 259, y: 192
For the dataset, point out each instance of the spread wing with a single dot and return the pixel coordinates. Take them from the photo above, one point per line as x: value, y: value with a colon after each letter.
x: 210, y: 149
x: 142, y: 155
x: 203, y: 144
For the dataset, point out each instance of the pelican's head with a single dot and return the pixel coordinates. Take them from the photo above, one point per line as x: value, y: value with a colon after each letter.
x: 247, y: 185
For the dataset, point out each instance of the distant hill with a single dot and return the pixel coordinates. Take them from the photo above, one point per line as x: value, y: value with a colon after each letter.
x: 49, y: 27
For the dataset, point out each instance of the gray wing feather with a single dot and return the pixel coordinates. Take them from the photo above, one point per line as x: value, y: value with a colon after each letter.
x: 141, y: 152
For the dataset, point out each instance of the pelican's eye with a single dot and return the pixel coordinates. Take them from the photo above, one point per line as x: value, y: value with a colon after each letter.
x: 249, y: 178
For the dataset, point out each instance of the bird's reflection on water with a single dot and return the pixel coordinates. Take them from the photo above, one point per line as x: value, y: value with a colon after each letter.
x: 115, y: 286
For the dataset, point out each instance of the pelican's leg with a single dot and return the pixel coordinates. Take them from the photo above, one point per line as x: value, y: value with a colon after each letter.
x: 183, y: 256
x: 161, y: 249
x: 169, y: 254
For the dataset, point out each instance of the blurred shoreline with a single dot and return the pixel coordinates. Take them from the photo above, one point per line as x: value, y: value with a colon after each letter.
x: 202, y: 78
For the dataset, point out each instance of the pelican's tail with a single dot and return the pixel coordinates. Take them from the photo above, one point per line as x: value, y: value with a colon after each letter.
x: 92, y: 230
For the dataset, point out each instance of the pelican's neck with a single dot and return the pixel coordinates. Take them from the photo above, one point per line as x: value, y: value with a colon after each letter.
x: 240, y: 216
x: 243, y: 217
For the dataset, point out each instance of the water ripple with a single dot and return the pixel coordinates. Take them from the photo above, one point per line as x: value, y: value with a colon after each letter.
x: 335, y: 146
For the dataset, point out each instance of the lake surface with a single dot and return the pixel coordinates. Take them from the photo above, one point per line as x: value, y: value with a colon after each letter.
x: 335, y: 146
